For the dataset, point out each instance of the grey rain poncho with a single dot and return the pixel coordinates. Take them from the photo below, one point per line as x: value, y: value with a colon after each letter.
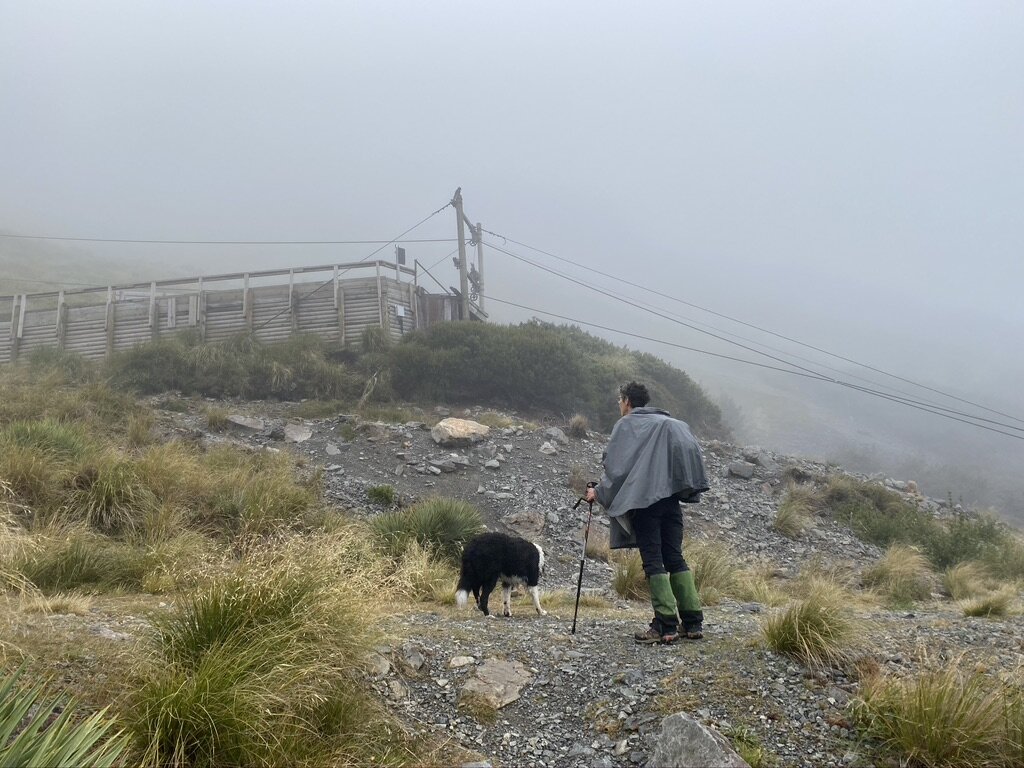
x: 650, y: 457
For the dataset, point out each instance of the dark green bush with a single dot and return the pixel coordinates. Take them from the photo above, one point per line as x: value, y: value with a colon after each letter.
x: 540, y: 367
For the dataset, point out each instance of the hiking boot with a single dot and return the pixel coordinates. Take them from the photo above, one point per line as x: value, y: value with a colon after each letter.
x: 653, y: 635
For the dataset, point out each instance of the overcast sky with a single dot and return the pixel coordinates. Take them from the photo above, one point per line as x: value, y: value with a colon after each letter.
x: 851, y: 174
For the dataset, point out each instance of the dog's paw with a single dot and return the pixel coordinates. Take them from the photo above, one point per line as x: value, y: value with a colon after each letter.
x: 541, y: 612
x: 508, y: 613
x: 492, y: 616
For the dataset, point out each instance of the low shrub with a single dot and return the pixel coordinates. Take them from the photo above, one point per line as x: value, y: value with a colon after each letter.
x: 444, y: 525
x: 902, y: 574
x: 216, y: 419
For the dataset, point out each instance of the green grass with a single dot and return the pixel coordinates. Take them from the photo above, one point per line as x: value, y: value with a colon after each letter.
x: 441, y: 524
x: 77, y: 558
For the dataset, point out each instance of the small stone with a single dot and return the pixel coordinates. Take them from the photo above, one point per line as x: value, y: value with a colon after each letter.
x: 548, y: 449
x: 297, y: 433
x: 493, y: 464
x: 433, y: 470
x: 244, y: 422
x: 461, y: 661
x: 332, y: 449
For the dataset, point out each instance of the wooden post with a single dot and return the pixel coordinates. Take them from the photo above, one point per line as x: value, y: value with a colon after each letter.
x: 247, y: 309
x: 339, y: 306
x: 201, y: 311
x: 109, y: 321
x: 62, y: 320
x: 154, y: 319
x: 380, y: 299
x: 17, y: 317
x: 480, y: 264
x: 463, y: 268
x: 292, y: 313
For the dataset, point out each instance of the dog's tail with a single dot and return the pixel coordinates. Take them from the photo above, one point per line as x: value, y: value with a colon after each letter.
x: 464, y: 586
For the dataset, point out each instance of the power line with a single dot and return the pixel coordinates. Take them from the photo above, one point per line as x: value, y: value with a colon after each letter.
x: 222, y: 242
x: 913, y: 402
x: 865, y: 390
x: 755, y: 327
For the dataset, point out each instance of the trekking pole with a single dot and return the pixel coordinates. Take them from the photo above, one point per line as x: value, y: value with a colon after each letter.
x: 583, y: 554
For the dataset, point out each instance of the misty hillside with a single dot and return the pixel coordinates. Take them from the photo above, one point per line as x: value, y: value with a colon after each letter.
x: 40, y: 266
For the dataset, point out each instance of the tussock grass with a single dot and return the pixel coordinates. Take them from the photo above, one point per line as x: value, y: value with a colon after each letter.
x: 578, y: 426
x: 216, y: 419
x: 597, y: 544
x: 110, y: 495
x: 59, y: 602
x: 257, y: 666
x: 577, y: 480
x: 74, y: 558
x: 794, y: 513
x: 755, y: 582
x: 966, y: 580
x: 36, y: 729
x: 628, y: 579
x: 426, y: 578
x: 952, y: 716
x: 992, y: 604
x: 902, y: 574
x: 560, y: 599
x: 494, y: 420
x: 382, y: 494
x: 442, y: 524
x: 819, y: 630
x: 715, y: 567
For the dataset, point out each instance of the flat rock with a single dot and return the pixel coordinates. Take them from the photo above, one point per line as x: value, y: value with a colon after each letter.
x: 497, y: 682
x: 685, y: 743
x: 461, y: 661
x: 528, y: 524
x: 297, y: 433
x: 332, y: 449
x: 549, y: 448
x: 743, y: 469
x: 247, y: 423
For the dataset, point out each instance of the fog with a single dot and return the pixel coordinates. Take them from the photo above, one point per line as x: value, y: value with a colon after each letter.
x: 847, y: 174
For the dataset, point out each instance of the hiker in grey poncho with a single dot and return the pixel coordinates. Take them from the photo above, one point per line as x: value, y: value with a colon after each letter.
x: 652, y: 463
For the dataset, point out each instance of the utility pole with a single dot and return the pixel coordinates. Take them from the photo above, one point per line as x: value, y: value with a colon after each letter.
x: 480, y: 264
x: 463, y: 268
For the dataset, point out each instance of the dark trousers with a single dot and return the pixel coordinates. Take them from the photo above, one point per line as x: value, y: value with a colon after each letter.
x: 659, y: 536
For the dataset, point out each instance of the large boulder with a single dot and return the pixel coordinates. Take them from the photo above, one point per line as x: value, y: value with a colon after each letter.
x: 685, y: 743
x: 741, y: 469
x: 458, y: 433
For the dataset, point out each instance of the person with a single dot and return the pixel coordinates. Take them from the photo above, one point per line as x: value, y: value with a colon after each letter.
x: 651, y: 464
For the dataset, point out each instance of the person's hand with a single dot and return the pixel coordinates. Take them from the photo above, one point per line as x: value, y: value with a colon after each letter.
x: 591, y: 496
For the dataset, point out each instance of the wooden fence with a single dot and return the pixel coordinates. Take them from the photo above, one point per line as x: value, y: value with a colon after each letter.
x: 336, y: 302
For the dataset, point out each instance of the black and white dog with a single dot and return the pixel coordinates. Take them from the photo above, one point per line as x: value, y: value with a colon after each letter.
x: 493, y: 557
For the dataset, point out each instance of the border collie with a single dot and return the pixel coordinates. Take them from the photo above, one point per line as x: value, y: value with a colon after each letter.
x: 493, y: 557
